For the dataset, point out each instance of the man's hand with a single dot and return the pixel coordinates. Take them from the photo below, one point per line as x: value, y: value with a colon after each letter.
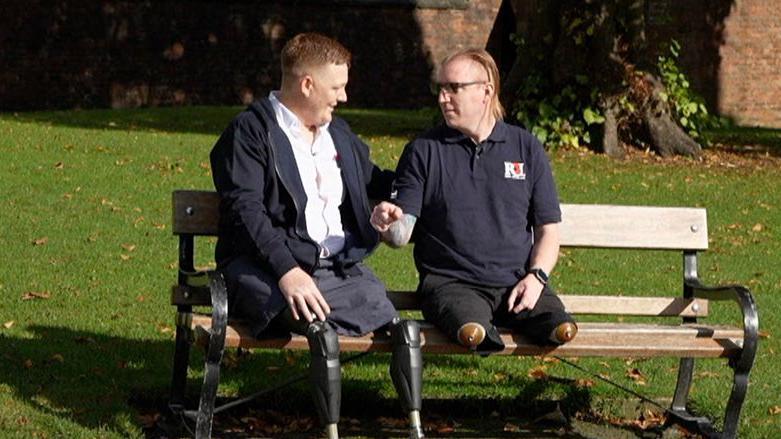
x: 303, y: 296
x: 525, y: 294
x: 385, y: 214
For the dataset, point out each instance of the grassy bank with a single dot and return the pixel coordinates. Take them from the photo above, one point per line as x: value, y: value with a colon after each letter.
x: 88, y: 259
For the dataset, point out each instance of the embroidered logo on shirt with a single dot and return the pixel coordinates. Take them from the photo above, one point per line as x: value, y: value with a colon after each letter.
x: 514, y: 170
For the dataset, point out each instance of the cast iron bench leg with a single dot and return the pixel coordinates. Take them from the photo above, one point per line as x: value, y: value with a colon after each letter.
x: 181, y: 359
x: 211, y: 375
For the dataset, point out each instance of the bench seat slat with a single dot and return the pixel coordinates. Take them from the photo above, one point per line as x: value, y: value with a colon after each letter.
x: 602, y: 305
x: 575, y: 304
x: 593, y: 340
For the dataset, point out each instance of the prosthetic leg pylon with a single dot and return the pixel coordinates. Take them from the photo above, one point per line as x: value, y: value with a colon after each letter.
x: 406, y: 370
x: 325, y: 375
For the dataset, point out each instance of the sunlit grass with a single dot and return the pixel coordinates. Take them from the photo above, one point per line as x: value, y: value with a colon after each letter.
x: 88, y: 260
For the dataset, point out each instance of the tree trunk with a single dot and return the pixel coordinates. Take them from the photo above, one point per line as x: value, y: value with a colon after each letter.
x: 609, y: 138
x: 610, y: 57
x: 667, y: 137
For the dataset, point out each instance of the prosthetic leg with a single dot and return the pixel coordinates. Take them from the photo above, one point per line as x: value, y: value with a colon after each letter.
x: 563, y: 333
x: 406, y: 370
x: 325, y: 375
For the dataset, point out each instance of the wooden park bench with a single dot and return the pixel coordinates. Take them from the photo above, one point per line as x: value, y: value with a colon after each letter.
x: 195, y: 213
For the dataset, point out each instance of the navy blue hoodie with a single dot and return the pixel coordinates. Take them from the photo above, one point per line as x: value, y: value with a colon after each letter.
x: 263, y: 200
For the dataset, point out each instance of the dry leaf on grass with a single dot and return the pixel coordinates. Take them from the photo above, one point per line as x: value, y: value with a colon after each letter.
x: 30, y: 295
x: 537, y: 373
x: 637, y: 376
x: 8, y: 324
x: 584, y: 383
x: 41, y: 241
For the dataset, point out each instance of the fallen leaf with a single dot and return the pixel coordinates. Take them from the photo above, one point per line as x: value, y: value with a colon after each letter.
x: 58, y: 358
x: 30, y: 295
x: 59, y: 165
x: 140, y: 298
x: 500, y: 376
x: 757, y: 227
x: 8, y: 324
x: 584, y: 383
x: 445, y: 429
x: 635, y: 374
x: 129, y: 247
x: 28, y: 363
x: 763, y: 334
x: 538, y: 373
x: 40, y: 241
x: 776, y: 409
x: 510, y: 427
x: 124, y: 257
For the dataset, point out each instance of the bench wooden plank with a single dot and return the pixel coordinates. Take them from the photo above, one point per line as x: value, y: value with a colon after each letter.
x: 598, y: 305
x: 593, y: 340
x: 196, y: 212
x: 643, y: 227
x: 574, y: 304
x: 583, y: 225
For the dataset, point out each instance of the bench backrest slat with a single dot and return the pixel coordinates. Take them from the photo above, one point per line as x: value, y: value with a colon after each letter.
x: 583, y: 225
x: 638, y: 227
x: 196, y: 212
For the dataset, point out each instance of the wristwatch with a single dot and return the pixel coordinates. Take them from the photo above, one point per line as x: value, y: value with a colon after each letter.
x: 540, y: 274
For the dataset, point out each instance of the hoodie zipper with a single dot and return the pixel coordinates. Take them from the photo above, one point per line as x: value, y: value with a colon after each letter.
x: 301, y: 233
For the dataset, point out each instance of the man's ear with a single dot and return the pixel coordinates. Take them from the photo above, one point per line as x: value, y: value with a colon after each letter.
x: 489, y: 91
x: 306, y: 83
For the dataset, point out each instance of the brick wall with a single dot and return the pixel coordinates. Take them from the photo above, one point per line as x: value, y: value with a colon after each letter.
x: 750, y: 75
x: 730, y: 52
x: 123, y: 53
x: 83, y: 53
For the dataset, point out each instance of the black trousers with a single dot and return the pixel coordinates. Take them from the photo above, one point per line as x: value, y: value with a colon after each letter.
x: 449, y: 303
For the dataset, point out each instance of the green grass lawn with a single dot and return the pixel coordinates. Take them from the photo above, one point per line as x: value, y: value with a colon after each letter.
x: 88, y: 259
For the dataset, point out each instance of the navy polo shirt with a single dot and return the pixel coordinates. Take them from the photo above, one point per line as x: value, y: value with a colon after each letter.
x: 476, y: 204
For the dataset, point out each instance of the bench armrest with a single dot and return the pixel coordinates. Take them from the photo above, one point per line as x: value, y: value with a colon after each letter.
x: 219, y: 296
x: 748, y: 308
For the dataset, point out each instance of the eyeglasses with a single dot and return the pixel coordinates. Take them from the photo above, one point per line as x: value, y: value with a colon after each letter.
x: 452, y: 88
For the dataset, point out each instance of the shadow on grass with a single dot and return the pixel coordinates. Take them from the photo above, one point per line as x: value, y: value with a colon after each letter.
x: 747, y: 140
x: 109, y: 382
x: 366, y: 413
x: 213, y: 120
x: 90, y: 378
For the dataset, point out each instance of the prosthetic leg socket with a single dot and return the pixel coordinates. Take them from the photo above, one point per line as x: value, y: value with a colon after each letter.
x: 406, y: 370
x: 471, y: 335
x: 564, y: 333
x: 325, y: 375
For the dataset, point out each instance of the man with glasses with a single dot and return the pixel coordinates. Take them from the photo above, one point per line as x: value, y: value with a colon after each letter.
x: 482, y: 201
x: 295, y: 184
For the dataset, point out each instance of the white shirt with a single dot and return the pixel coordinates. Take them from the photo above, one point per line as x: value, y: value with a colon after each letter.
x: 320, y: 176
